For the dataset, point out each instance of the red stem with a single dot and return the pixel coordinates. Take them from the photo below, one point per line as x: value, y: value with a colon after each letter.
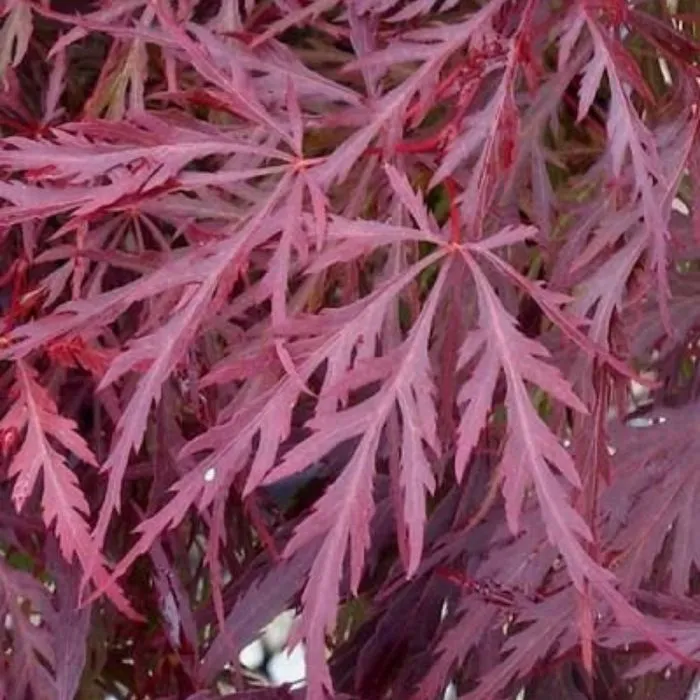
x: 455, y: 218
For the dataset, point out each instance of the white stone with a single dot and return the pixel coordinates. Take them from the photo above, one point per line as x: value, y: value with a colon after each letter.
x: 287, y: 666
x: 277, y: 632
x: 450, y: 692
x: 252, y: 656
x: 680, y: 206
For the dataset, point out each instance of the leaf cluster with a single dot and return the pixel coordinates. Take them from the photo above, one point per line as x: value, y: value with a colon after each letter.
x: 386, y: 312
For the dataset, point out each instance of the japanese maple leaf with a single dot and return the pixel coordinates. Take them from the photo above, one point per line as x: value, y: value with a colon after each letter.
x: 627, y: 135
x: 15, y: 33
x: 497, y: 346
x: 340, y: 521
x: 32, y: 661
x: 390, y: 108
x: 35, y: 416
x: 531, y: 449
x: 654, y: 494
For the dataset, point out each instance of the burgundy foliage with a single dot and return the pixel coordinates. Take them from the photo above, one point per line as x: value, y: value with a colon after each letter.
x: 387, y: 311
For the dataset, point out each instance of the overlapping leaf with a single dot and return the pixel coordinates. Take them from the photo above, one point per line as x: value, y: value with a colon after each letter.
x: 35, y: 417
x: 245, y: 234
x: 342, y: 518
